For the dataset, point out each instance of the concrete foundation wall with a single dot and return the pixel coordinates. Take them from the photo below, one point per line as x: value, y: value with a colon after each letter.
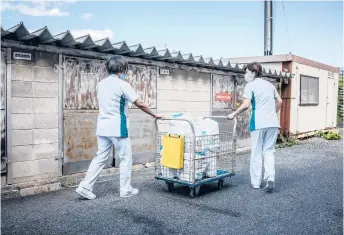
x: 34, y: 91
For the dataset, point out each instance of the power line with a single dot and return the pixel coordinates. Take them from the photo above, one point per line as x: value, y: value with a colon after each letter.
x: 286, y: 25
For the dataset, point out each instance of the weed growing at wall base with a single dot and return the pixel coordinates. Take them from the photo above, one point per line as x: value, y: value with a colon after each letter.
x: 329, y: 135
x: 286, y: 142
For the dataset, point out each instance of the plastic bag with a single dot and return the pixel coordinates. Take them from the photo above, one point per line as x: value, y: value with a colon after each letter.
x: 207, y: 143
x: 181, y: 127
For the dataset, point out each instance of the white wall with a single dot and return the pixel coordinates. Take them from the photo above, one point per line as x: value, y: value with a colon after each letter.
x: 310, y: 118
x: 34, y: 118
x: 184, y: 91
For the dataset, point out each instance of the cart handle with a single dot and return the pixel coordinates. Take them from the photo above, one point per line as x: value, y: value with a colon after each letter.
x: 192, y: 125
x: 226, y: 117
x: 174, y: 119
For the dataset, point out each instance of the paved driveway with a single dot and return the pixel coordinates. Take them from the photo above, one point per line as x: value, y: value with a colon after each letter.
x: 308, y: 200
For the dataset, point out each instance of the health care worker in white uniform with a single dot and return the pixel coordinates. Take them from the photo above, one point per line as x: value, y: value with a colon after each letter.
x: 113, y: 95
x: 264, y: 124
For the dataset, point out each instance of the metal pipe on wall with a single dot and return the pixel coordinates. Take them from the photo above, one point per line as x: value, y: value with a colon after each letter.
x: 60, y: 154
x: 9, y: 115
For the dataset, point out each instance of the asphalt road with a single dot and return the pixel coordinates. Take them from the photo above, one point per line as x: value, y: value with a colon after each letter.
x: 308, y: 200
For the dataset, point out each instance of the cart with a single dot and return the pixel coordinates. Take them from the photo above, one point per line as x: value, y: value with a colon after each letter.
x: 206, y: 158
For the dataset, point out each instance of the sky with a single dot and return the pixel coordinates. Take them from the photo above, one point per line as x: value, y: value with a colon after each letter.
x: 213, y: 29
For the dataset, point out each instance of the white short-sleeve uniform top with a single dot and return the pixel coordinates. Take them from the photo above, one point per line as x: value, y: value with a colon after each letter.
x: 113, y: 96
x: 263, y: 96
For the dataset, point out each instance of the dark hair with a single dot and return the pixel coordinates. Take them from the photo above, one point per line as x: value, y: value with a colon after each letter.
x: 116, y: 64
x: 254, y: 67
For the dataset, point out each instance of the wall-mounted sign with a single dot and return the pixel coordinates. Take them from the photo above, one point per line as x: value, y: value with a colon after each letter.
x: 164, y: 71
x: 223, y: 97
x: 21, y: 56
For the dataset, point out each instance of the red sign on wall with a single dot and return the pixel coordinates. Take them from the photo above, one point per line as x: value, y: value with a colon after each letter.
x: 223, y: 97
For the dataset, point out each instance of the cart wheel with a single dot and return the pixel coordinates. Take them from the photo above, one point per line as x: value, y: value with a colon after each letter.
x: 194, y: 191
x: 220, y: 184
x: 170, y: 186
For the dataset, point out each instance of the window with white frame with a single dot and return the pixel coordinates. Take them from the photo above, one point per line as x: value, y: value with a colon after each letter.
x: 309, y: 90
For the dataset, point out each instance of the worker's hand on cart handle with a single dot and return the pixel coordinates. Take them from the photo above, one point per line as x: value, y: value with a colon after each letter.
x: 231, y: 116
x: 158, y: 117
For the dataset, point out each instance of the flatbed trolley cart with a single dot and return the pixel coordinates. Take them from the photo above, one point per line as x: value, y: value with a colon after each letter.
x: 195, y: 160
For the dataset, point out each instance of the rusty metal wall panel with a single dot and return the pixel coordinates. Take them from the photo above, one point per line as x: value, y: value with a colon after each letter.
x: 222, y: 84
x: 143, y: 79
x: 81, y: 77
x: 243, y: 131
x: 3, y: 111
x: 80, y: 141
x: 286, y: 105
x: 225, y: 84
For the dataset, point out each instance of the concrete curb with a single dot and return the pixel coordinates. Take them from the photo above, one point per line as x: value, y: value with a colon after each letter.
x: 69, y: 181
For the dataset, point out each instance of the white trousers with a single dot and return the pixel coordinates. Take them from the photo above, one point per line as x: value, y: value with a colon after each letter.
x: 263, y: 145
x: 123, y: 149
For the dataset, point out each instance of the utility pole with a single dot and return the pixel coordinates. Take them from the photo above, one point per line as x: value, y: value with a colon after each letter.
x: 268, y: 37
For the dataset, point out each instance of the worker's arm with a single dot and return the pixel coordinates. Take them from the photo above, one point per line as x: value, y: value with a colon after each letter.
x: 144, y: 107
x: 278, y: 105
x: 246, y: 104
x: 278, y: 101
x: 243, y: 107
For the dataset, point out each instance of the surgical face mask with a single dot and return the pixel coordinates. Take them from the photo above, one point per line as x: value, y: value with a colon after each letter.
x: 249, y: 76
x: 123, y: 76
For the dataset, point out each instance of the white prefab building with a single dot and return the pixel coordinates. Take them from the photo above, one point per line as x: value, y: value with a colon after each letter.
x: 309, y: 98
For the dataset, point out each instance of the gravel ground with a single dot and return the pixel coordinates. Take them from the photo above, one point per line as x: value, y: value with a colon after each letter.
x: 307, y: 200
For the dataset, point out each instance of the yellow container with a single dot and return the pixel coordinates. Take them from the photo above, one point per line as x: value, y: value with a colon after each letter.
x: 173, y: 151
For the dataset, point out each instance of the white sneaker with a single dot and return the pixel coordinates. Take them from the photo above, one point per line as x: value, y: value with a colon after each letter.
x: 130, y: 193
x: 255, y: 186
x: 85, y: 193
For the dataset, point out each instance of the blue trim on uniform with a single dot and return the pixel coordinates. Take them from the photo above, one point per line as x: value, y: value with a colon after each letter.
x: 124, y: 129
x: 253, y: 116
